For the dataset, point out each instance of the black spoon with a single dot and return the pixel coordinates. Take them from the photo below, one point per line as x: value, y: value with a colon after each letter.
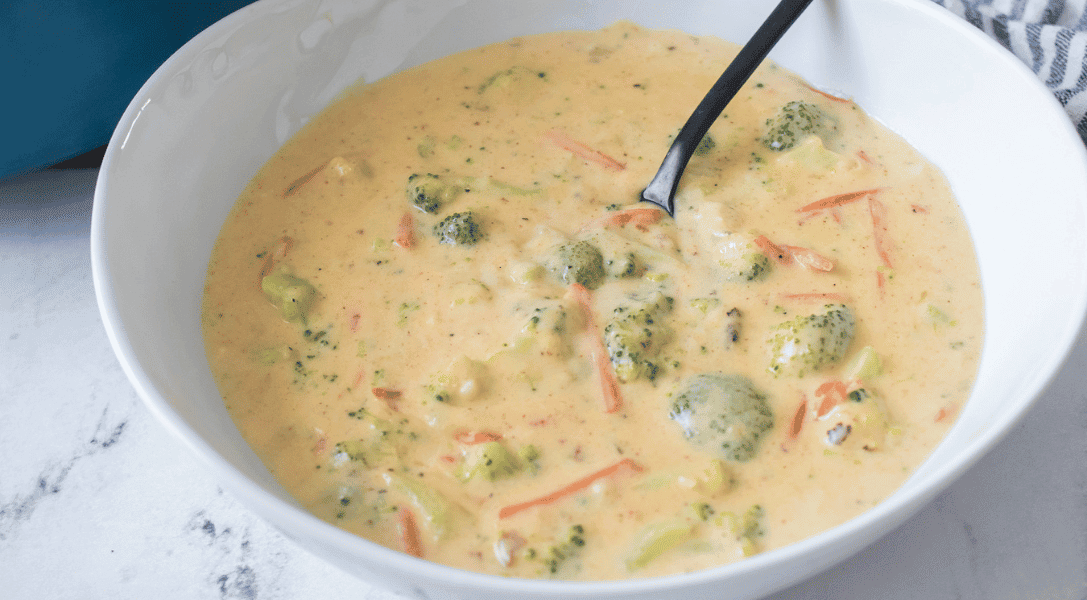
x: 662, y: 190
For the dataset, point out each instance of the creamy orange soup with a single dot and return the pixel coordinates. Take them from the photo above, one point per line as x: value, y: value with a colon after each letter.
x: 442, y: 319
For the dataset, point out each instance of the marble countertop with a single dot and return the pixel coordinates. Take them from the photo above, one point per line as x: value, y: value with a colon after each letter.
x: 97, y: 501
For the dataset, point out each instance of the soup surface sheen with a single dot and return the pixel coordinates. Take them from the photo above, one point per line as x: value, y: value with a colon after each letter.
x: 441, y: 318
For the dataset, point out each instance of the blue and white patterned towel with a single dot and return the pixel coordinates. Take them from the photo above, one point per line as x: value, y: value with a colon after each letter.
x: 1050, y: 36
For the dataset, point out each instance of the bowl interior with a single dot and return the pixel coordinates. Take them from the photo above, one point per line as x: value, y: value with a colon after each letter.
x: 216, y: 111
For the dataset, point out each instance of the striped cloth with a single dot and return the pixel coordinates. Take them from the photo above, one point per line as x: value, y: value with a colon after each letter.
x: 1050, y: 36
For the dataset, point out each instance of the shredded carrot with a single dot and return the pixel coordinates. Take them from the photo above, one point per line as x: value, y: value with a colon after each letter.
x: 809, y: 258
x: 815, y: 296
x: 879, y: 229
x: 390, y: 396
x: 798, y: 418
x: 832, y: 393
x: 837, y: 200
x: 835, y: 213
x: 943, y: 414
x: 609, y: 386
x: 917, y: 208
x: 273, y: 255
x: 640, y: 217
x: 405, y: 231
x: 828, y: 96
x: 772, y: 250
x: 878, y: 213
x: 571, y: 488
x: 584, y: 299
x: 319, y: 447
x: 353, y: 322
x: 471, y: 438
x: 861, y: 154
x: 408, y: 531
x: 569, y: 144
x: 785, y: 255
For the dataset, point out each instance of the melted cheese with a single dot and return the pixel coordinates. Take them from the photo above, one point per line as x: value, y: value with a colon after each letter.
x: 458, y: 384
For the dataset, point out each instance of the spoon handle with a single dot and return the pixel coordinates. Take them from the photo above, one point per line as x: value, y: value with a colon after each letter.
x: 662, y: 189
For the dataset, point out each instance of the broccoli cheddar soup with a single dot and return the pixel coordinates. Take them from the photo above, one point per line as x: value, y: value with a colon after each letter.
x: 443, y: 320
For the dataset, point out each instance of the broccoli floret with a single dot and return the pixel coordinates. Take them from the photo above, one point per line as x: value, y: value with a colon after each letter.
x: 704, y: 147
x: 370, y: 452
x: 702, y: 511
x: 379, y: 442
x: 704, y: 304
x: 510, y: 76
x: 793, y: 123
x: 350, y: 450
x: 292, y: 295
x: 723, y: 414
x: 551, y: 318
x: 577, y: 262
x: 810, y: 342
x: 354, y: 503
x: 741, y: 259
x: 429, y: 192
x: 530, y: 457
x: 715, y: 226
x: 562, y: 551
x: 860, y: 422
x: 459, y: 229
x: 509, y: 87
x: 620, y: 255
x: 634, y: 337
x: 548, y: 326
x: 465, y: 379
x: 752, y: 524
x: 491, y: 461
x: 750, y: 266
x: 749, y: 529
x: 623, y: 265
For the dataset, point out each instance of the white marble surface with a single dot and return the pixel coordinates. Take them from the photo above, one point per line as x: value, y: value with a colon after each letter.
x: 98, y: 502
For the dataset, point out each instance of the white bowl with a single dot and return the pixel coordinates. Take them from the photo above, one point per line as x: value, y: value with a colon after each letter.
x: 218, y: 108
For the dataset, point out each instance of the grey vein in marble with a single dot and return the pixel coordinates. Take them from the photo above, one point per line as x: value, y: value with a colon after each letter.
x: 50, y: 481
